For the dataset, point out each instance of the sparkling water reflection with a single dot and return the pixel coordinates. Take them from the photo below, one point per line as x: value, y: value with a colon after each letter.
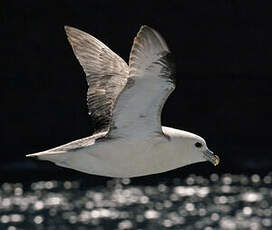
x: 219, y: 202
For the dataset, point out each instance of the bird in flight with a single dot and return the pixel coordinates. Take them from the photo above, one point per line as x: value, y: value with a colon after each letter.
x: 126, y: 101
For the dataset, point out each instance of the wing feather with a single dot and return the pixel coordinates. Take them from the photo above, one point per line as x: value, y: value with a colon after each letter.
x: 151, y: 77
x: 106, y: 74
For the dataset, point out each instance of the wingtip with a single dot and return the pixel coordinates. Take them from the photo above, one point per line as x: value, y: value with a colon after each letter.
x: 150, y: 38
x: 67, y: 28
x: 69, y: 33
x: 70, y: 30
x: 146, y: 27
x: 32, y: 155
x: 36, y: 155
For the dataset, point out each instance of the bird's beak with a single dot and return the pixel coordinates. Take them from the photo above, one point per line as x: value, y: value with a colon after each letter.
x: 210, y: 156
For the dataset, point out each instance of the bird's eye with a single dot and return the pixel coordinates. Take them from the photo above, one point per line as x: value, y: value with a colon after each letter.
x: 198, y: 145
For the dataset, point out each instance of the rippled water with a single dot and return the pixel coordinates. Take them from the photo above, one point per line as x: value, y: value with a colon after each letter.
x: 217, y: 202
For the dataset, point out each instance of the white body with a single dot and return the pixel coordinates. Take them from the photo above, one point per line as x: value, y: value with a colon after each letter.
x: 127, y: 157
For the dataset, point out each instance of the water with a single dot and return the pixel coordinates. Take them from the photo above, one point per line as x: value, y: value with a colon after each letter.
x: 223, y: 202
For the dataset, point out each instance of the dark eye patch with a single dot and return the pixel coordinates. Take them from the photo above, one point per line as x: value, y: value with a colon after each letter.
x: 198, y: 145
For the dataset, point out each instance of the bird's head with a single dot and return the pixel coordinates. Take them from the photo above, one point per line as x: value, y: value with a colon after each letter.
x: 200, y: 151
x: 191, y: 148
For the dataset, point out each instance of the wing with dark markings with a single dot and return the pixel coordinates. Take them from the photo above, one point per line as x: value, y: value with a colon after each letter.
x: 106, y: 74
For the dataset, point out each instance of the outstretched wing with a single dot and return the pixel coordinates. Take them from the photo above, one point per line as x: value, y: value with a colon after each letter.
x: 106, y: 74
x: 151, y: 80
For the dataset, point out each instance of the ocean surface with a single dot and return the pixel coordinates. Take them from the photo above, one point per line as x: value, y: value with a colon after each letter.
x: 222, y: 202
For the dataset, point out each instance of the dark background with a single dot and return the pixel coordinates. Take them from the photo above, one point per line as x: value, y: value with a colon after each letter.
x: 223, y: 53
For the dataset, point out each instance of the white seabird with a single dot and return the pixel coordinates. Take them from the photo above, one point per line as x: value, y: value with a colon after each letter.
x: 126, y: 101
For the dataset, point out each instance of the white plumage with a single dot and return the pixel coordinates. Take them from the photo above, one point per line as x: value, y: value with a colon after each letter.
x: 126, y: 102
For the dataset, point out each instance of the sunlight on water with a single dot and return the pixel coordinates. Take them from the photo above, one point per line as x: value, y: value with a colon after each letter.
x: 224, y: 202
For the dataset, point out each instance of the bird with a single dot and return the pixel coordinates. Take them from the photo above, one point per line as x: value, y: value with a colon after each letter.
x: 126, y: 100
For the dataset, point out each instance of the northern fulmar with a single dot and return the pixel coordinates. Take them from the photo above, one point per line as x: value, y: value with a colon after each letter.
x: 127, y: 100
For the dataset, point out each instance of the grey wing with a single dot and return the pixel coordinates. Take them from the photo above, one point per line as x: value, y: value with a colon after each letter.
x: 106, y: 75
x: 71, y: 146
x: 151, y: 80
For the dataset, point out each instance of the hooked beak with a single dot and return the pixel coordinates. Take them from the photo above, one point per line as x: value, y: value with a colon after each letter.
x: 210, y: 156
